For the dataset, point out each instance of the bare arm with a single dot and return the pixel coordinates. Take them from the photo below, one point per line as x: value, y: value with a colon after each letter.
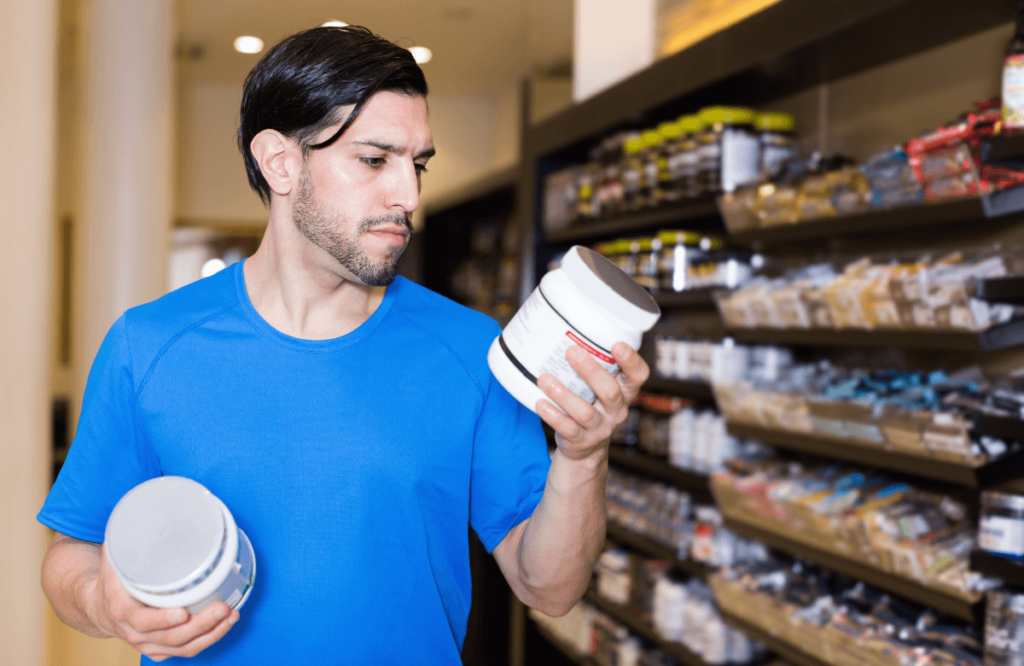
x: 547, y: 560
x: 87, y: 595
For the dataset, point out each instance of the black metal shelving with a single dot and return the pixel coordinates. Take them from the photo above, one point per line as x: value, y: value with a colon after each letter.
x: 890, y: 582
x: 703, y: 297
x: 693, y: 389
x: 638, y: 543
x: 1001, y: 336
x: 703, y: 213
x: 1009, y: 289
x: 1008, y: 570
x: 561, y: 646
x: 998, y: 471
x: 660, y: 470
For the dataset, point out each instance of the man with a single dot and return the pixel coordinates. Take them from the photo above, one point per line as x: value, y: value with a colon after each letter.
x: 347, y: 418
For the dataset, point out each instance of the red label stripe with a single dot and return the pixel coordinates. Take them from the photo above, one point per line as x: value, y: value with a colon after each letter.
x: 593, y: 352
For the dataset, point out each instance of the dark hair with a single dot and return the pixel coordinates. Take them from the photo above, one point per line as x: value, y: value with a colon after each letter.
x: 297, y: 87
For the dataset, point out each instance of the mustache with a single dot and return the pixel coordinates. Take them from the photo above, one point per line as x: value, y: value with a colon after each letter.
x: 398, y: 219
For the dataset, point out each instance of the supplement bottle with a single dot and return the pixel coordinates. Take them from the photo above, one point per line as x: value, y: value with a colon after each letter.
x: 587, y: 302
x: 678, y: 250
x: 172, y: 544
x: 778, y: 146
x: 647, y: 263
x: 687, y: 168
x: 650, y: 156
x: 610, y: 196
x: 668, y: 184
x: 633, y: 173
x: 729, y: 150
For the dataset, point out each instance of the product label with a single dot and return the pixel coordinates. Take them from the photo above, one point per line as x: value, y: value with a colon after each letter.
x: 999, y: 534
x: 1013, y: 91
x: 537, y: 339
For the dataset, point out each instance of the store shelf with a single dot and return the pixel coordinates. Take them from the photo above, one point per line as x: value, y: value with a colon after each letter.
x: 637, y: 543
x: 649, y: 220
x: 660, y: 470
x: 1009, y: 289
x: 875, y: 221
x: 996, y: 472
x: 892, y: 583
x: 1008, y: 570
x: 693, y: 389
x: 691, y: 298
x: 791, y: 653
x: 642, y: 628
x: 995, y: 338
x: 790, y: 46
x: 564, y: 648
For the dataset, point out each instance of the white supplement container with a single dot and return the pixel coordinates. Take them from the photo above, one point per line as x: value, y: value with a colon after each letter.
x: 174, y: 544
x: 589, y: 302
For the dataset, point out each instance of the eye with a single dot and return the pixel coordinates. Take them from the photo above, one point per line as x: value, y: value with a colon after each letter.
x: 373, y: 162
x: 420, y: 168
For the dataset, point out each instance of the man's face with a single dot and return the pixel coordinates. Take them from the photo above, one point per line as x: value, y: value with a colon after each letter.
x: 356, y: 197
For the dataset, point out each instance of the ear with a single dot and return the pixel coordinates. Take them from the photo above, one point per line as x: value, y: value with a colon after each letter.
x: 279, y: 159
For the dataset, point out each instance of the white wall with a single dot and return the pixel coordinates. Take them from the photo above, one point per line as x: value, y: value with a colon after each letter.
x: 613, y: 39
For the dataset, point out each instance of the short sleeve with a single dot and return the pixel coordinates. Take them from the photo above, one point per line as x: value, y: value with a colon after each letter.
x: 510, y: 466
x: 108, y: 456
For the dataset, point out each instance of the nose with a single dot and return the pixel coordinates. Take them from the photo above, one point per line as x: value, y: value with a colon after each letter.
x: 404, y: 191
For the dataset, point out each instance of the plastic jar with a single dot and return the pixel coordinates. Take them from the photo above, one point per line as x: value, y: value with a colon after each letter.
x: 678, y: 250
x: 647, y: 263
x: 174, y: 544
x: 588, y: 302
x: 609, y: 192
x: 668, y: 183
x: 686, y: 170
x: 1001, y: 528
x: 777, y: 141
x: 650, y: 194
x: 728, y: 147
x: 633, y: 173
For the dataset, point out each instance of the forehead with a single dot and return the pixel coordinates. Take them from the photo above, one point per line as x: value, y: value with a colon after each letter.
x: 395, y: 117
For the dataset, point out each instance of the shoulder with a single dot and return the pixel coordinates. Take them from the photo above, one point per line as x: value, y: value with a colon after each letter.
x: 150, y: 328
x: 464, y: 331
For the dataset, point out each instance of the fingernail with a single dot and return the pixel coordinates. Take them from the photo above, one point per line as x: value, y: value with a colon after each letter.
x: 179, y: 616
x: 221, y: 613
x: 577, y: 354
x: 233, y: 619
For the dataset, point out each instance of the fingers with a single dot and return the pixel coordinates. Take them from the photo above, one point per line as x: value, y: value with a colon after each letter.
x: 198, y: 625
x: 635, y: 370
x: 159, y: 652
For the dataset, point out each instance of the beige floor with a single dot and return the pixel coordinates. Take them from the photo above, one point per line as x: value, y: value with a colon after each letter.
x: 67, y: 647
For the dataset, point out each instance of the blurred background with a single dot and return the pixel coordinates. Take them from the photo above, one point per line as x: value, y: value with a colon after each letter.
x: 120, y: 180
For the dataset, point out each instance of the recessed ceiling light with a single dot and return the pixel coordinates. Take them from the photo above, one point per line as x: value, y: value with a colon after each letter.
x: 248, y: 44
x: 334, y: 24
x: 421, y: 54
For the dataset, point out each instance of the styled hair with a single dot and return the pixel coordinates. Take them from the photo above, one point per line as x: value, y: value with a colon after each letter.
x: 299, y: 85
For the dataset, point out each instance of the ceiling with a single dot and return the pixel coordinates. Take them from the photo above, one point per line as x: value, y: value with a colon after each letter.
x: 479, y: 46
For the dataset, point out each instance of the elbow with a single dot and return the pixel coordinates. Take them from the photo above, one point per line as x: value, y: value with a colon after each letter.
x: 553, y: 604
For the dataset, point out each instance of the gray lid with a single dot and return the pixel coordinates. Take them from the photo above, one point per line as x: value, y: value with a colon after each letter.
x: 611, y: 287
x: 993, y: 500
x: 165, y: 532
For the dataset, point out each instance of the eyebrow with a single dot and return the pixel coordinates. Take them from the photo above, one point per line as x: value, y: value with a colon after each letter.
x: 391, y: 148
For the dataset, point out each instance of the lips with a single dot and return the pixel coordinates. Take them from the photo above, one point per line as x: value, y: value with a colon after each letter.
x: 395, y: 234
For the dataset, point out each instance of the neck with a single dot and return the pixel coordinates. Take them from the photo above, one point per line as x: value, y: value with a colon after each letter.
x: 301, y: 290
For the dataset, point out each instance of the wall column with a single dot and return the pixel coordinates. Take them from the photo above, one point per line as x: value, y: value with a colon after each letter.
x: 127, y: 166
x: 28, y: 40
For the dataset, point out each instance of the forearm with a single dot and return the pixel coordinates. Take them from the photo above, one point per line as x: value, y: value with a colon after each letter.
x: 563, y: 538
x: 70, y: 570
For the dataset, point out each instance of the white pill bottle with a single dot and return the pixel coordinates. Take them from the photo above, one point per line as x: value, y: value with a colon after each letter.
x: 174, y: 544
x: 589, y: 302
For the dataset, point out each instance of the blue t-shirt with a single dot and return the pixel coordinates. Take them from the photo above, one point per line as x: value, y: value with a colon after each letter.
x: 354, y: 465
